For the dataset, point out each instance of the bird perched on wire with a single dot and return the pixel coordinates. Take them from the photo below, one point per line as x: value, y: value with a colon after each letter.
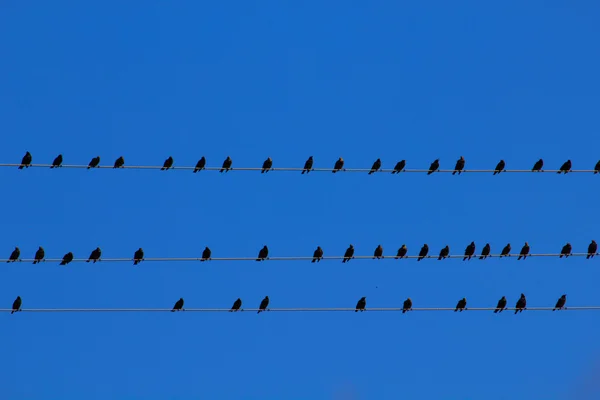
x: 167, y: 164
x: 566, y: 250
x: 94, y: 162
x: 461, y: 305
x: 423, y: 252
x: 407, y: 306
x: 308, y: 165
x: 597, y: 168
x: 469, y: 251
x: 339, y: 164
x: 349, y: 254
x: 14, y: 256
x: 200, y: 165
x: 226, y: 164
x: 434, y: 166
x: 401, y: 252
x: 501, y: 305
x: 485, y: 252
x: 16, y: 305
x: 500, y: 167
x: 26, y: 161
x: 538, y: 166
x: 178, y: 305
x: 39, y: 255
x: 263, y: 253
x: 524, y: 251
x: 67, y: 258
x: 560, y: 304
x: 400, y: 165
x: 521, y: 304
x: 444, y: 253
x: 138, y: 256
x: 378, y: 252
x: 376, y: 166
x: 267, y: 165
x: 263, y: 304
x: 565, y: 168
x: 57, y: 161
x: 361, y: 305
x: 505, y: 251
x: 318, y: 254
x: 236, y: 305
x: 95, y: 255
x: 206, y: 253
x: 592, y: 249
x: 119, y: 162
x: 460, y: 165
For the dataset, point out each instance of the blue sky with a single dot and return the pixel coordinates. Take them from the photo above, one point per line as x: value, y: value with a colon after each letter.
x: 249, y: 80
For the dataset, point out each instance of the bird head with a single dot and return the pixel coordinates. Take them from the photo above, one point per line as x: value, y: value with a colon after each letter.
x: 462, y: 158
x: 464, y: 299
x: 408, y: 299
x: 351, y: 246
x: 564, y: 296
x: 593, y: 241
x: 266, y: 297
x: 503, y: 298
x: 403, y: 246
x: 269, y: 159
x: 310, y: 158
x: 522, y: 295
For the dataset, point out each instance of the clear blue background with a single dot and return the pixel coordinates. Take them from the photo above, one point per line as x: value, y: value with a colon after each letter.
x: 361, y: 80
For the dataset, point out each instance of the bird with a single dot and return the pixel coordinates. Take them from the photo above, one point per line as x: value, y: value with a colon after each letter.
x: 592, y: 249
x: 501, y: 305
x: 206, y: 253
x: 399, y: 167
x: 362, y: 303
x: 566, y: 167
x: 14, y: 256
x: 538, y: 166
x: 521, y: 304
x: 339, y: 164
x: 318, y: 254
x: 138, y: 256
x: 26, y: 161
x: 378, y: 252
x: 267, y: 165
x: 308, y: 165
x: 263, y: 253
x: 566, y: 250
x: 524, y: 251
x: 461, y: 305
x: 94, y: 162
x: 560, y: 304
x: 16, y: 305
x: 200, y: 165
x: 505, y: 251
x: 499, y: 167
x: 167, y: 164
x: 434, y: 166
x: 67, y: 258
x: 263, y: 304
x: 485, y: 252
x: 178, y: 305
x: 401, y: 252
x: 376, y: 166
x: 407, y: 306
x: 423, y: 252
x: 39, y: 255
x: 226, y: 164
x: 349, y: 254
x: 119, y: 162
x: 445, y: 252
x: 597, y: 168
x: 236, y: 305
x: 95, y: 255
x: 57, y: 161
x: 460, y: 165
x: 469, y: 251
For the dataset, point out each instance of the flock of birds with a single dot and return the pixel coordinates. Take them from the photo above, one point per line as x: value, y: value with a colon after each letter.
x: 400, y: 166
x: 318, y: 254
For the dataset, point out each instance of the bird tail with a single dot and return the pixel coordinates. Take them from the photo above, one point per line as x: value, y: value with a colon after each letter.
x: 12, y: 312
x: 561, y: 256
x: 464, y: 258
x: 559, y: 172
x: 453, y: 172
x: 314, y: 259
x: 429, y: 172
x: 202, y: 260
x: 440, y: 257
x: 588, y: 257
x: 495, y: 311
x: 456, y: 310
x: 519, y: 258
x: 258, y: 259
x: 62, y: 263
x: 258, y: 312
x: 173, y: 310
x: 516, y: 311
x: 495, y: 172
x: 334, y: 171
x: 88, y: 260
x: 20, y: 167
x: 481, y: 257
x: 303, y: 171
x: 370, y: 172
x: 195, y: 171
x: 554, y: 309
x: 262, y: 172
x: 135, y: 262
x: 162, y: 169
x: 403, y: 311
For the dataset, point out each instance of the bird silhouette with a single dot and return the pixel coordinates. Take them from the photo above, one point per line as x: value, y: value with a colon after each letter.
x: 566, y: 167
x: 119, y: 162
x: 16, y: 305
x: 263, y: 253
x: 57, y: 161
x: 423, y: 252
x: 167, y: 164
x: 401, y: 252
x: 95, y: 255
x: 67, y: 258
x: 339, y: 164
x: 521, y: 304
x: 200, y: 165
x: 444, y: 253
x: 560, y: 304
x: 14, y: 256
x: 524, y: 251
x: 505, y: 251
x: 597, y: 168
x: 378, y: 252
x: 308, y: 165
x: 26, y: 161
x: 267, y: 165
x: 236, y: 305
x: 206, y: 253
x: 138, y: 256
x: 592, y: 249
x: 94, y: 162
x: 407, y: 306
x: 538, y: 166
x: 39, y: 255
x: 566, y: 250
x: 460, y: 165
x: 349, y: 254
x: 178, y: 305
x: 263, y: 304
x: 376, y: 166
x: 361, y: 305
x: 485, y: 252
x: 501, y: 305
x: 400, y: 165
x: 434, y: 166
x: 500, y: 167
x: 226, y: 164
x: 469, y: 251
x: 461, y: 305
x: 318, y: 254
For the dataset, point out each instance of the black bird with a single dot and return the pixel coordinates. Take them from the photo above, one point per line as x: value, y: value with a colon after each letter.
x: 119, y: 162
x: 26, y: 161
x: 206, y: 254
x: 57, y: 161
x: 200, y: 165
x: 318, y: 254
x: 361, y: 305
x: 469, y: 251
x: 167, y: 164
x: 263, y: 253
x: 445, y: 252
x: 14, y: 256
x: 501, y: 305
x: 94, y: 162
x: 560, y: 304
x: 16, y: 305
x: 521, y: 304
x: 500, y: 167
x: 236, y: 305
x: 339, y: 164
x: 308, y: 165
x: 378, y: 252
x: 460, y: 165
x: 263, y: 304
x: 138, y: 256
x: 39, y: 255
x: 538, y: 166
x: 485, y: 252
x: 434, y: 167
x: 461, y: 305
x: 95, y: 255
x: 423, y: 252
x: 401, y: 252
x: 506, y: 251
x: 597, y: 168
x: 67, y: 258
x: 524, y: 251
x: 226, y: 164
x: 376, y: 166
x: 566, y: 250
x: 592, y: 249
x: 407, y: 306
x: 267, y: 165
x: 566, y: 167
x: 349, y: 254
x: 178, y: 305
x: 399, y: 167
